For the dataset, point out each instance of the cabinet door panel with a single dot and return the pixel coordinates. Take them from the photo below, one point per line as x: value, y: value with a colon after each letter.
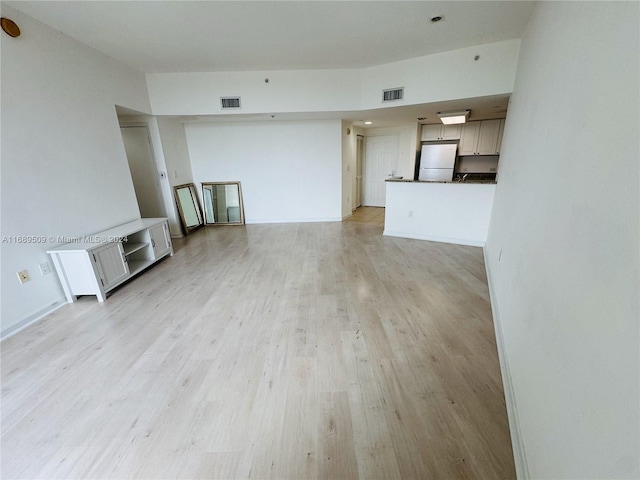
x: 112, y: 266
x: 431, y: 132
x: 469, y: 138
x: 160, y: 240
x: 488, y: 139
x: 450, y: 132
x: 500, y: 133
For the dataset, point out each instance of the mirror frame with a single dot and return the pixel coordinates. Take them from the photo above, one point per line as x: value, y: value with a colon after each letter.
x: 196, y: 203
x: 241, y: 204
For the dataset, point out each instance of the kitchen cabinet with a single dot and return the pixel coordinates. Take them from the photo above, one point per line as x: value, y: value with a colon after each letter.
x: 500, y: 133
x: 469, y: 139
x: 481, y: 138
x: 437, y: 132
x: 96, y: 264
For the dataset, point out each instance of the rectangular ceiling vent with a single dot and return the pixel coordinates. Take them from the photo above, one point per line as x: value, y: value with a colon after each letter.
x: 229, y: 103
x: 392, y: 94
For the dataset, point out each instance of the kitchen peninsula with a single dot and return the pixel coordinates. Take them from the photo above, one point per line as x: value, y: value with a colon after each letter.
x: 450, y: 212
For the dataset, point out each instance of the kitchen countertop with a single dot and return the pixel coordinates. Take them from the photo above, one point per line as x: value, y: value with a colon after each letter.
x: 406, y: 180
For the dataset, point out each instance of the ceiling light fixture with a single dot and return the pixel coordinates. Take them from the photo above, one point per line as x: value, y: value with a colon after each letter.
x: 10, y: 27
x: 452, y: 118
x: 368, y: 123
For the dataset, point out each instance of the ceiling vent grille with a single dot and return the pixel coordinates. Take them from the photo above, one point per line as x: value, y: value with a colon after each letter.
x: 228, y: 103
x: 392, y: 94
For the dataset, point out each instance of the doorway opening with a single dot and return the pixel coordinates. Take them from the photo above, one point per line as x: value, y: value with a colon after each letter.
x: 145, y: 176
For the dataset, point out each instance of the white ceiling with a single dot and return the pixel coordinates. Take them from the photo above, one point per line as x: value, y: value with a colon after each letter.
x: 207, y: 36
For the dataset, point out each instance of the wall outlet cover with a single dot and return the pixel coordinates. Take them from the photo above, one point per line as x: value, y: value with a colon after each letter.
x: 23, y: 276
x: 45, y: 268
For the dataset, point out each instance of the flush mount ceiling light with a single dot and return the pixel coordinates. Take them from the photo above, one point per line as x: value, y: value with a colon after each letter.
x: 368, y: 123
x: 10, y: 27
x: 451, y: 118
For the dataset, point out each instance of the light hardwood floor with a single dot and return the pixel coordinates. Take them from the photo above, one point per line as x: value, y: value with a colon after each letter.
x: 368, y: 215
x: 293, y: 351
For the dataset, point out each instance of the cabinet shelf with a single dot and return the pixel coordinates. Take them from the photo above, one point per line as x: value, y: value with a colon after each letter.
x: 130, y: 248
x: 136, y: 266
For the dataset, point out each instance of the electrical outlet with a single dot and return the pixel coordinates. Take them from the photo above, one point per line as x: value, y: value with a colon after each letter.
x: 23, y: 276
x: 45, y: 268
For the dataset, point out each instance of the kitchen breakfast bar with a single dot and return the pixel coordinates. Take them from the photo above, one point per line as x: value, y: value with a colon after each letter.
x: 451, y: 212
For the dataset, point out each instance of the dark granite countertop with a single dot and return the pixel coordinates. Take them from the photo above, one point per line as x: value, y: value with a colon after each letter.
x: 468, y: 182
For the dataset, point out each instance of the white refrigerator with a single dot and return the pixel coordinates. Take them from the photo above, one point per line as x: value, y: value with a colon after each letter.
x: 437, y: 162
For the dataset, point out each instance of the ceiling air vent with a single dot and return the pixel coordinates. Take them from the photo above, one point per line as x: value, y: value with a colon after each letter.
x: 230, y: 102
x: 392, y: 94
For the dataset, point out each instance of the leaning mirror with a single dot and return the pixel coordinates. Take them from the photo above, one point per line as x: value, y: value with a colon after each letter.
x: 222, y: 203
x: 188, y: 206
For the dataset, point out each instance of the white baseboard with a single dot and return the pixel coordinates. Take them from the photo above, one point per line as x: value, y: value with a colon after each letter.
x: 434, y: 238
x: 519, y: 454
x: 31, y: 319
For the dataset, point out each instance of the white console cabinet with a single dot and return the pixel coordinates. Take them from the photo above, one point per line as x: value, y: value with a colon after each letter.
x: 96, y: 264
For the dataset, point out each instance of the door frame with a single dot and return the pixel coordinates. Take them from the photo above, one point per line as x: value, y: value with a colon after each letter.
x: 360, y: 140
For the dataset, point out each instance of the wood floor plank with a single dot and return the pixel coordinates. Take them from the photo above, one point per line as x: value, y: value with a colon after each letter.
x: 294, y: 351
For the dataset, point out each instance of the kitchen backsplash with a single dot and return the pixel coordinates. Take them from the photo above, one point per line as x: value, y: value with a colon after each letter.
x: 477, y: 164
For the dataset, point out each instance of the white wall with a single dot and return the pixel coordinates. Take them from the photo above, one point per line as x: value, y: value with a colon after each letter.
x: 349, y: 148
x: 441, y: 212
x: 563, y: 245
x: 64, y: 169
x: 286, y: 91
x: 178, y: 165
x: 443, y: 76
x: 289, y: 171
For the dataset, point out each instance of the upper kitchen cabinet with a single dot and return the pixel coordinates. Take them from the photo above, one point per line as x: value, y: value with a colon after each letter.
x: 481, y: 138
x: 500, y: 133
x: 435, y: 132
x: 469, y: 139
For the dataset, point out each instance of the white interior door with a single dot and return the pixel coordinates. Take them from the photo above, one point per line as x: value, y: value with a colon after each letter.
x: 380, y: 161
x: 144, y: 173
x: 359, y: 170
